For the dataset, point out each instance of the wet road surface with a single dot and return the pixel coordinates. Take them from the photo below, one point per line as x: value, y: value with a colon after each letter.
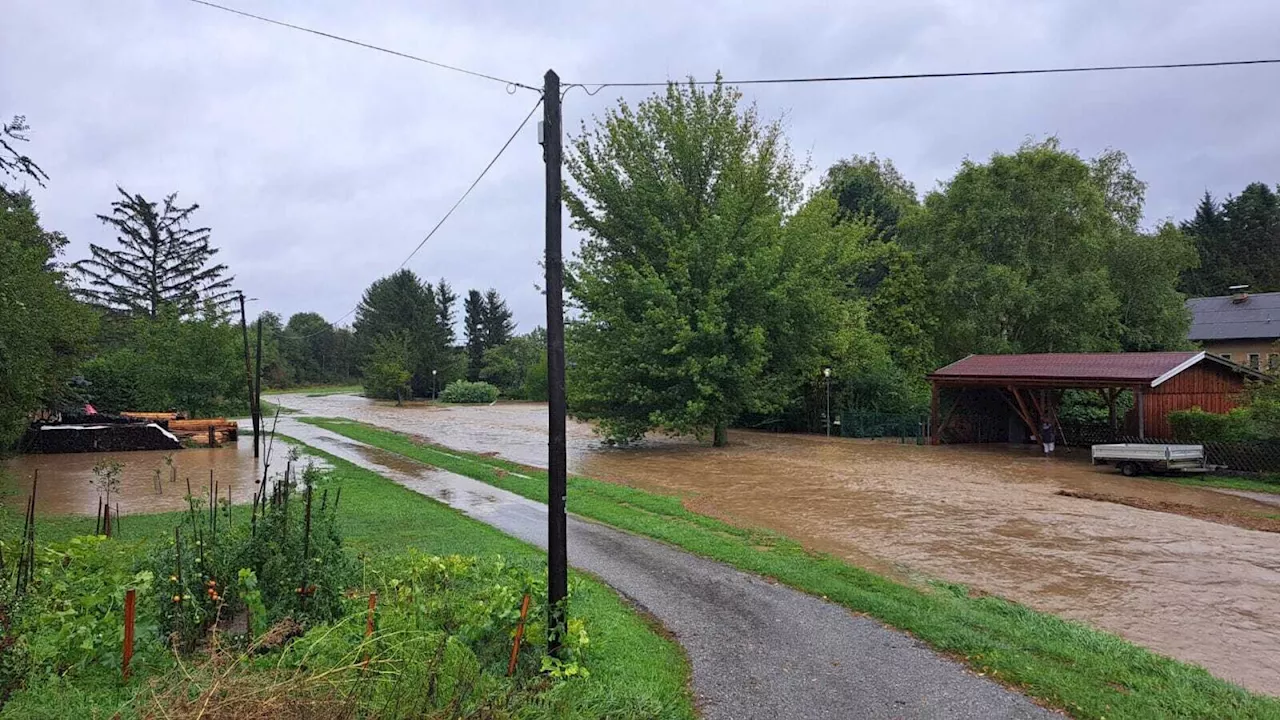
x: 758, y: 650
x: 66, y: 486
x: 1198, y: 591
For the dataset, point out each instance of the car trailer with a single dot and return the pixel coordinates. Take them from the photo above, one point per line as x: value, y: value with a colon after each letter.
x: 1141, y: 458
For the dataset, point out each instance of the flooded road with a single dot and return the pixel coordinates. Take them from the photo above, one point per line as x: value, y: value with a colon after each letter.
x: 990, y: 518
x: 66, y: 485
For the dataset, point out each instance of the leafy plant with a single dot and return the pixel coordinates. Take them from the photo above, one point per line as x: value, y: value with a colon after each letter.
x: 1196, y: 425
x: 461, y: 391
x: 106, y: 476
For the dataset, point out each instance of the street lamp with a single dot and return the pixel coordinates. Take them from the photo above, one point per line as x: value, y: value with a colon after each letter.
x: 435, y: 393
x: 826, y: 373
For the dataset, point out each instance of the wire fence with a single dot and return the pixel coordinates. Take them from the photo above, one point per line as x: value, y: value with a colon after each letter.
x: 1250, y: 456
x: 872, y: 424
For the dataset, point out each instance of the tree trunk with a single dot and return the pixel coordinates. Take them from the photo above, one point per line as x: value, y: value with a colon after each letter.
x: 721, y: 436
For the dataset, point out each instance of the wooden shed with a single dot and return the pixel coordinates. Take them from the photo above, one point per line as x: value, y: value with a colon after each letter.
x: 1005, y: 398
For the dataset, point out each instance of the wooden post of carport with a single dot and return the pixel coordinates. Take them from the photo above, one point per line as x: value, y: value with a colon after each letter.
x: 934, y: 432
x: 1141, y: 401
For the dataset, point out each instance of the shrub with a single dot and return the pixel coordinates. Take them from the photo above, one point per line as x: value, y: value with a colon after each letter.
x: 461, y: 391
x: 1196, y: 425
x: 386, y: 373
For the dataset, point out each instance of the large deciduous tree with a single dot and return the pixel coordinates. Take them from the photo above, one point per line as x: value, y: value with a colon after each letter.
x: 1040, y: 251
x: 700, y: 300
x: 871, y: 189
x: 43, y: 331
x: 160, y: 262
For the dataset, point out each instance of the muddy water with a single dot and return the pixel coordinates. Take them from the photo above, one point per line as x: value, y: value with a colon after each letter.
x: 65, y: 479
x: 1199, y: 591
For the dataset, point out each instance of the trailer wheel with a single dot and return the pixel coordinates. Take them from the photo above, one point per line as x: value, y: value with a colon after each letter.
x: 1130, y: 469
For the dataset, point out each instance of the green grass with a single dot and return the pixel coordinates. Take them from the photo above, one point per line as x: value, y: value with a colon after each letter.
x: 1230, y: 483
x: 317, y: 390
x: 635, y: 670
x: 1089, y: 673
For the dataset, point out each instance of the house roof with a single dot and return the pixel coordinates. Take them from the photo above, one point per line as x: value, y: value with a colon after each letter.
x: 1078, y: 369
x: 1219, y: 318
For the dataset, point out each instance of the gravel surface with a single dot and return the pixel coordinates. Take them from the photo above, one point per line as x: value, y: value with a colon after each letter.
x: 758, y: 649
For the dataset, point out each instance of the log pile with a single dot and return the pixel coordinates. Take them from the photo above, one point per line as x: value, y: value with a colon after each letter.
x: 199, y: 430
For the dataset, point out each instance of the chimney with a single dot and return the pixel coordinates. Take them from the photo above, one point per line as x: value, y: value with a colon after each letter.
x: 1239, y: 294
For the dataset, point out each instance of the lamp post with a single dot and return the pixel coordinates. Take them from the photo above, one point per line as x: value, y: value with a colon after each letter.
x: 826, y: 373
x: 435, y: 392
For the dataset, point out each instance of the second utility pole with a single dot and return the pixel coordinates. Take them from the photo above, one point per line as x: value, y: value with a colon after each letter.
x: 557, y: 540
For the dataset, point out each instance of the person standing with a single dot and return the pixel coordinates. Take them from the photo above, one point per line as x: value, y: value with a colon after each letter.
x: 1047, y: 436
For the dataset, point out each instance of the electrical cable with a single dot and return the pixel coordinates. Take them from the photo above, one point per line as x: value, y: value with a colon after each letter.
x: 446, y: 216
x: 933, y: 75
x: 511, y: 84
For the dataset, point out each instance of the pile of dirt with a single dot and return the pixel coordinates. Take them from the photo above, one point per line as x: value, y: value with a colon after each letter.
x: 1243, y: 520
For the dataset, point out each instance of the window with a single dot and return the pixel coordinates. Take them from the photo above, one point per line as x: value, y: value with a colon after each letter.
x: 1273, y: 362
x: 1254, y: 360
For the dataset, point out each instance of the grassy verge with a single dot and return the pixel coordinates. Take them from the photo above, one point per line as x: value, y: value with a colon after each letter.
x: 317, y: 390
x: 635, y: 671
x: 1229, y: 483
x: 1089, y: 673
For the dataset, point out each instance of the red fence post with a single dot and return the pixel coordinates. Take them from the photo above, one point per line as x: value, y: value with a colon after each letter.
x: 515, y: 648
x: 130, y: 602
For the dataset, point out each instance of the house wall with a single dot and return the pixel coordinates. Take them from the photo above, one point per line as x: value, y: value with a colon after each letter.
x: 1268, y: 349
x: 1208, y: 386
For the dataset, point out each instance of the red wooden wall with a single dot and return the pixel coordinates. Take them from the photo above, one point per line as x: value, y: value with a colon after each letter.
x: 1209, y: 386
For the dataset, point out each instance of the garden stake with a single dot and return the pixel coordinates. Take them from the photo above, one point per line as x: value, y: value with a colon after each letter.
x: 106, y: 520
x: 130, y: 600
x: 97, y: 519
x: 117, y: 518
x: 177, y: 554
x: 306, y: 549
x: 336, y: 499
x: 368, y: 627
x: 324, y: 500
x: 515, y: 648
x: 253, y: 517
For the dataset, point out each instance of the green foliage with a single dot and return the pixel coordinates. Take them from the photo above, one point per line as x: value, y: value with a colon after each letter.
x: 386, y: 370
x: 13, y: 163
x: 44, y: 332
x: 871, y: 190
x: 1196, y: 425
x: 1238, y: 242
x: 402, y: 303
x: 1264, y: 409
x: 1039, y: 251
x: 160, y: 262
x: 519, y: 367
x: 473, y: 326
x: 169, y: 362
x: 462, y: 391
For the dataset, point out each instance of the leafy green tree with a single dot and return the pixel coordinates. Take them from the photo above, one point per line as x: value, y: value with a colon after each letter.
x: 1208, y: 231
x: 160, y: 261
x: 873, y: 190
x: 473, y: 327
x: 1253, y: 229
x: 1145, y: 270
x: 498, y: 326
x: 402, y: 303
x: 698, y: 302
x: 513, y: 365
x: 171, y: 362
x: 276, y: 369
x: 43, y: 331
x: 899, y: 311
x: 308, y: 345
x: 386, y: 370
x: 1038, y: 251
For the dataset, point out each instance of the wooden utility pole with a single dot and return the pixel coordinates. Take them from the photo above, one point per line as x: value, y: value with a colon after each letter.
x: 258, y: 424
x: 248, y: 376
x: 557, y: 545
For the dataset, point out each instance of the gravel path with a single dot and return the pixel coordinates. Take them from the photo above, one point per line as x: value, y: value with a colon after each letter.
x: 758, y: 649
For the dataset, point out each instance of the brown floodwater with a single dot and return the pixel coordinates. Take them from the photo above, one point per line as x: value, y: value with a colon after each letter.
x: 66, y: 485
x: 988, y: 517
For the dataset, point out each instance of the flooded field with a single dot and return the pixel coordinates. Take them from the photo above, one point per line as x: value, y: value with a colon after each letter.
x: 1199, y: 591
x: 66, y: 487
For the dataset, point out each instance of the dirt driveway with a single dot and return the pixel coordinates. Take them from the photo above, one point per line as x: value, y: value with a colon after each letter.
x: 1199, y: 591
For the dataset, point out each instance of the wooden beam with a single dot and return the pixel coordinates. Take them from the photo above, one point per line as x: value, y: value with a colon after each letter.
x: 1021, y: 409
x: 935, y: 435
x: 946, y: 419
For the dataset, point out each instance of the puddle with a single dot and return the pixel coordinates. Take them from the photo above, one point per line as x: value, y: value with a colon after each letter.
x: 66, y: 488
x: 991, y: 518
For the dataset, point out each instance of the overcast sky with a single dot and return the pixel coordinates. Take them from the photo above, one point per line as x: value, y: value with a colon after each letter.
x: 320, y: 165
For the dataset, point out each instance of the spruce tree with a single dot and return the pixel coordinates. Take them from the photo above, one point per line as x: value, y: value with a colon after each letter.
x: 498, y: 326
x: 473, y: 326
x: 445, y: 300
x: 160, y: 262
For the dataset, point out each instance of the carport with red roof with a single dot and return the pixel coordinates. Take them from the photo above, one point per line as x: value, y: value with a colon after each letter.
x: 1005, y: 398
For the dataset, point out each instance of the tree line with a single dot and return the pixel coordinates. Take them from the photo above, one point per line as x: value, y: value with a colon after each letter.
x: 714, y: 287
x: 149, y: 320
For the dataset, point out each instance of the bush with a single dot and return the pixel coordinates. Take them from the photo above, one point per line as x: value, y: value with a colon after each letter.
x: 461, y: 391
x: 386, y: 372
x: 1196, y: 425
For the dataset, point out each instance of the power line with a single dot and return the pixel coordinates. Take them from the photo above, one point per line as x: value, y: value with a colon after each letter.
x: 447, y: 214
x: 511, y: 84
x: 934, y: 75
